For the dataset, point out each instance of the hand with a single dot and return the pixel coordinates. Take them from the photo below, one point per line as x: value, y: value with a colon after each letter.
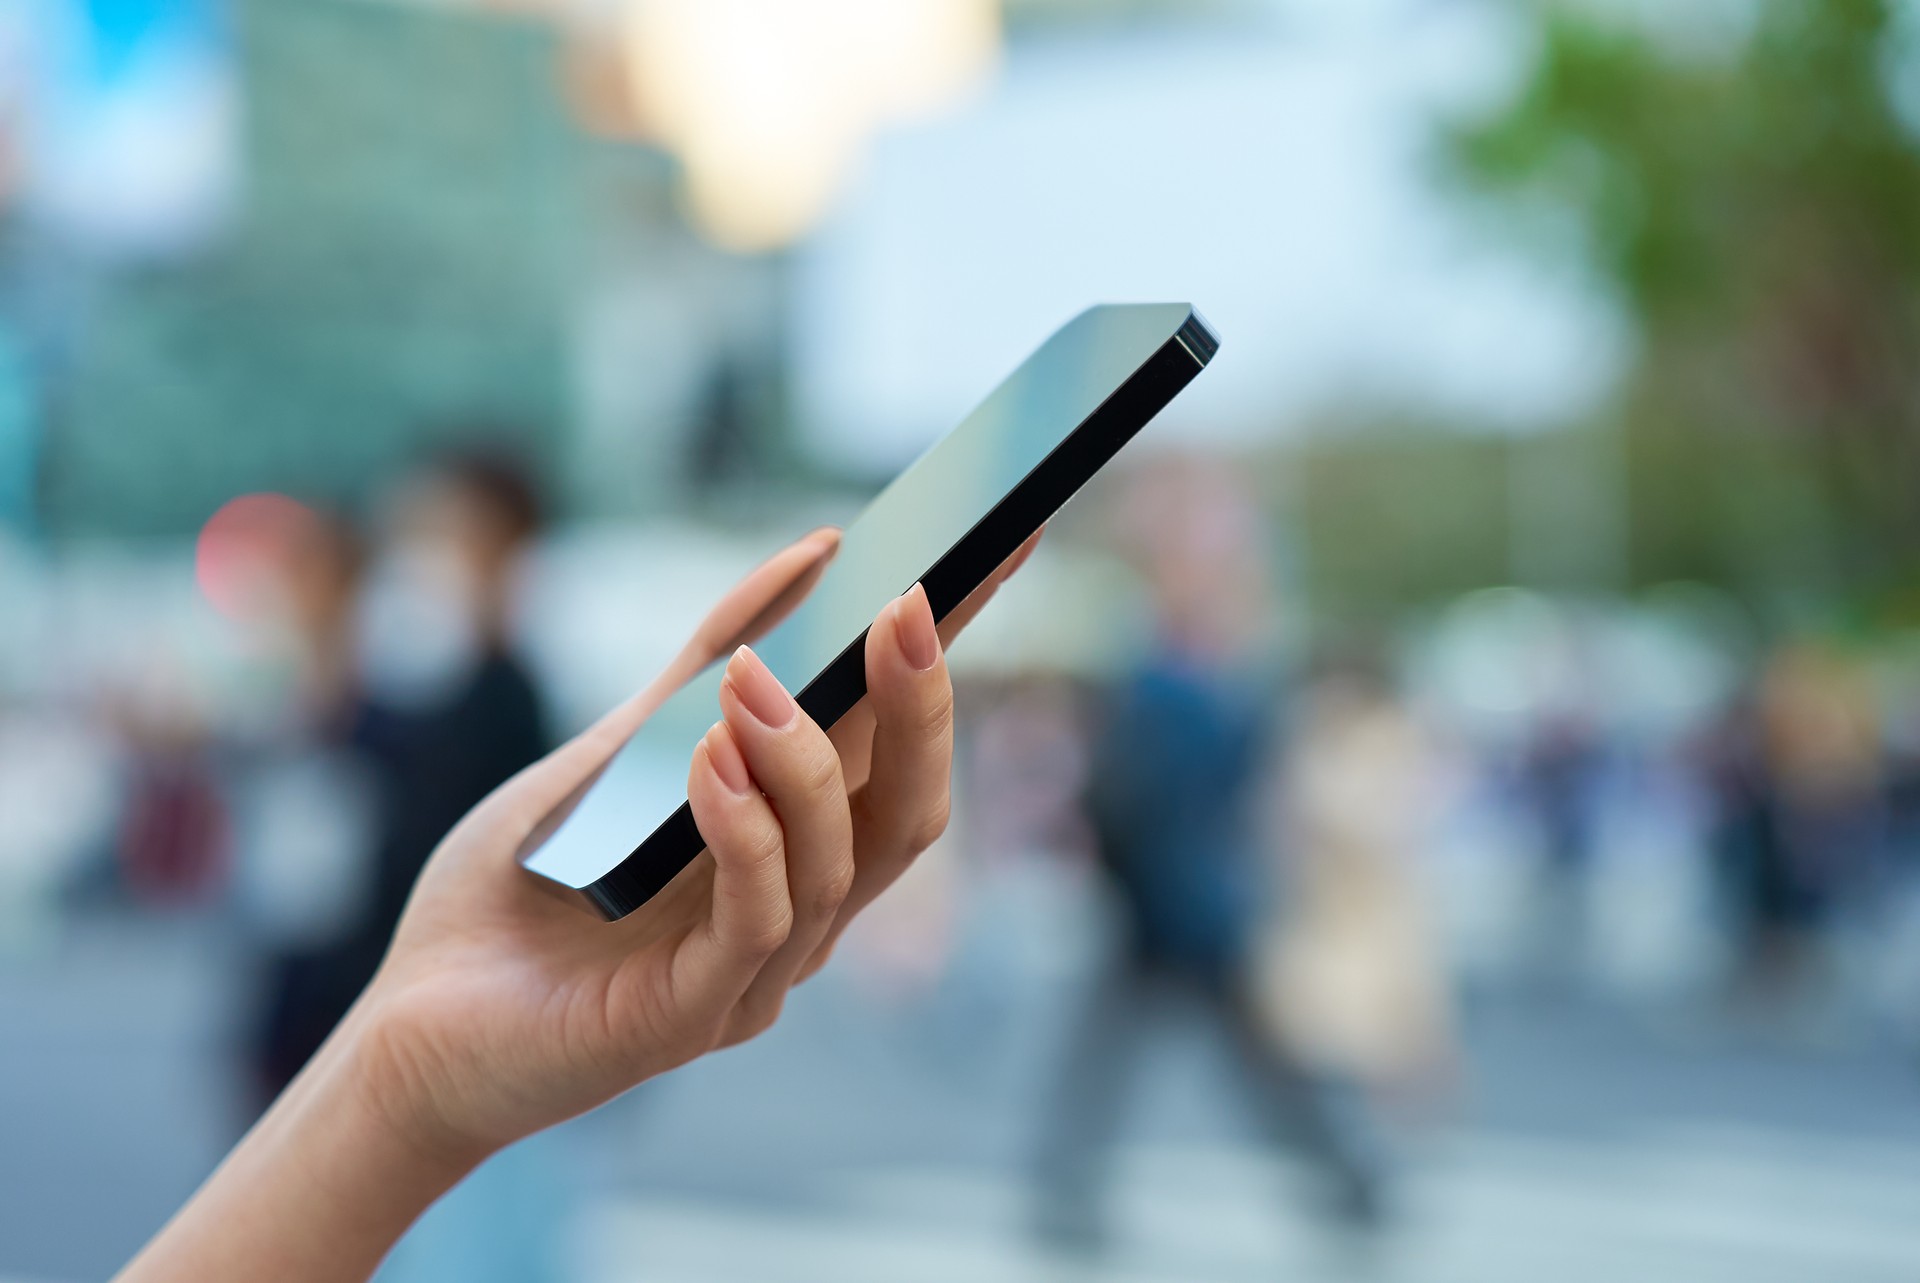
x: 504, y: 1007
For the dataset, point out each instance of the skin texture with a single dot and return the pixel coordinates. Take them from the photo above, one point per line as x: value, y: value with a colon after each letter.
x: 504, y: 1006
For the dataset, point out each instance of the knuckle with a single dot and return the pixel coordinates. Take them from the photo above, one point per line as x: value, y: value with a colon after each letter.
x: 764, y: 938
x: 813, y: 965
x: 761, y: 1014
x: 719, y: 1034
x: 933, y: 720
x: 833, y: 889
x: 764, y: 845
x: 931, y: 824
x: 818, y: 774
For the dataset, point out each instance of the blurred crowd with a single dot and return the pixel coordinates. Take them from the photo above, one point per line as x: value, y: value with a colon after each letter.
x: 387, y: 698
x: 1316, y: 849
x: 1328, y: 847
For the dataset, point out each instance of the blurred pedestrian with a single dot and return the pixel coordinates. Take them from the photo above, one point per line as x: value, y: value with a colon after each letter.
x: 309, y: 796
x: 1800, y: 790
x: 1176, y: 753
x: 1561, y: 781
x: 435, y: 701
x: 458, y: 710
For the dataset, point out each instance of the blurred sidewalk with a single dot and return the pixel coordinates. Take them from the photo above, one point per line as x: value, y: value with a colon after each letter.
x: 116, y: 1087
x: 873, y: 1139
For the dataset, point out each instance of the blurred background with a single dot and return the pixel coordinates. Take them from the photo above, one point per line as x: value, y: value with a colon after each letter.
x: 1447, y: 808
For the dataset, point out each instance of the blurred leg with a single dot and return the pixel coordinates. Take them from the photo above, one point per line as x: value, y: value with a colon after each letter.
x: 1321, y: 1120
x: 1076, y: 1136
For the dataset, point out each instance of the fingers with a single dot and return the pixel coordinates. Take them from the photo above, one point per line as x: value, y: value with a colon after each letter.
x: 541, y: 798
x: 794, y: 764
x: 752, y: 914
x: 905, y: 804
x: 536, y: 801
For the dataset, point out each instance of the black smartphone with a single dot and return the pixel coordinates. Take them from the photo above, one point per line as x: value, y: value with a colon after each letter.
x: 947, y: 522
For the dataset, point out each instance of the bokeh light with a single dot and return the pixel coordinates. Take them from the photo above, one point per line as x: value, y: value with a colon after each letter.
x: 243, y: 548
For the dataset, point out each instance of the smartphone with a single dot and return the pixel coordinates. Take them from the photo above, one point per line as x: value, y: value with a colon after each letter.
x: 947, y: 522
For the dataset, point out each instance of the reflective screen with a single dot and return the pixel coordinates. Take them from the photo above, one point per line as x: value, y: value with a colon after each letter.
x: 908, y: 527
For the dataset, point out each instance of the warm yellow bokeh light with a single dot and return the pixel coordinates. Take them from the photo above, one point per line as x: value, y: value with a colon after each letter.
x: 768, y: 103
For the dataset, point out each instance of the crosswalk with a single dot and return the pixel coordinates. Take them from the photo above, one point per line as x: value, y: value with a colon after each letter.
x: 1694, y: 1204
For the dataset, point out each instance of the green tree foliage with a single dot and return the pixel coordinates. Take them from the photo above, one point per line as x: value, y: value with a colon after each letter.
x: 1755, y: 203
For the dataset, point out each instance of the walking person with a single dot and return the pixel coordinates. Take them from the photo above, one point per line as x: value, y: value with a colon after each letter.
x: 1178, y: 749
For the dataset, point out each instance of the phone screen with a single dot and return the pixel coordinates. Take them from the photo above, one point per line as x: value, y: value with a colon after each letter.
x: 907, y: 528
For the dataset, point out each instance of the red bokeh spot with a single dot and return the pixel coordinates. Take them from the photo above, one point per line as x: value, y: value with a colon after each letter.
x: 243, y: 548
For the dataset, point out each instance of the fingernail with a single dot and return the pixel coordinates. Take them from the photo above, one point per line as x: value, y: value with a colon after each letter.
x: 913, y: 620
x: 759, y: 690
x: 727, y: 762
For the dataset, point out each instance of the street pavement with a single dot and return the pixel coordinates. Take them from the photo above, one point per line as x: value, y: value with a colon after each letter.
x: 883, y: 1133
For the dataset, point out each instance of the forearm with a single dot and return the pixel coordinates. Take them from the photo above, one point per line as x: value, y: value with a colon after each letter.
x: 318, y: 1191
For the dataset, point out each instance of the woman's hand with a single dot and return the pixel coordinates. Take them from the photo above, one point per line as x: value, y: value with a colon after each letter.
x: 504, y: 1006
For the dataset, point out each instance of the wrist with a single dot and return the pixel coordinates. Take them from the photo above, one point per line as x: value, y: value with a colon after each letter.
x: 373, y: 1075
x: 322, y: 1187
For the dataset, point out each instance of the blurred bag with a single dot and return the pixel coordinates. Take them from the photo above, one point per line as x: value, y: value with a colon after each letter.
x: 173, y: 840
x: 1346, y: 973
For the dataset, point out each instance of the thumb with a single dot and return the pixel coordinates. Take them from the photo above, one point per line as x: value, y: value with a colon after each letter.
x: 754, y: 605
x: 542, y: 796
